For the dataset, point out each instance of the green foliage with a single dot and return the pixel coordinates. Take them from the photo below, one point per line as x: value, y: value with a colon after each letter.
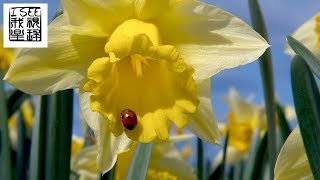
x: 267, y: 79
x: 307, y: 104
x: 140, y: 161
x: 309, y: 57
x: 5, y: 148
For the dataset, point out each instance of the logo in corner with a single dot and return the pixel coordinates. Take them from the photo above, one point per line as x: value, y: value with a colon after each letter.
x: 25, y: 25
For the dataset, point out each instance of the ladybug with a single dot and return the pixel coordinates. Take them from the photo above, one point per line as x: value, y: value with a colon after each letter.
x: 129, y: 119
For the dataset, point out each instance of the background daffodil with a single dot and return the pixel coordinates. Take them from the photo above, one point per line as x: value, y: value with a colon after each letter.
x: 292, y: 162
x: 6, y: 54
x: 166, y: 162
x: 153, y: 57
x: 309, y: 35
x: 242, y: 122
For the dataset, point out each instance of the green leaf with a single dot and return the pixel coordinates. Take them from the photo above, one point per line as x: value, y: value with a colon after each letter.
x: 224, y: 158
x: 140, y: 161
x: 38, y: 142
x: 58, y: 136
x: 239, y: 170
x: 267, y: 79
x: 14, y: 101
x: 258, y: 149
x: 22, y: 149
x: 200, y: 161
x: 307, y: 104
x: 309, y: 57
x: 283, y: 126
x: 65, y: 112
x: 5, y: 148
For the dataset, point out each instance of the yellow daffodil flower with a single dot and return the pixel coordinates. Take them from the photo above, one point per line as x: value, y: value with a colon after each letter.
x: 166, y: 162
x: 6, y: 54
x: 292, y: 161
x: 309, y: 35
x: 153, y: 57
x: 76, y: 145
x: 187, y: 151
x: 242, y: 122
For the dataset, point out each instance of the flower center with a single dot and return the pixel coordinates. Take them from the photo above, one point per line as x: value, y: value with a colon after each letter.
x: 318, y: 29
x: 144, y: 76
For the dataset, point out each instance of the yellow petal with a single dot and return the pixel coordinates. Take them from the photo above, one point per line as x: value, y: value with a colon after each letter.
x: 240, y: 133
x: 203, y: 123
x: 132, y: 34
x: 208, y: 38
x: 27, y: 113
x: 292, y: 162
x: 150, y: 9
x: 76, y: 145
x: 244, y: 118
x: 307, y: 35
x: 102, y: 17
x: 60, y: 66
x: 6, y: 54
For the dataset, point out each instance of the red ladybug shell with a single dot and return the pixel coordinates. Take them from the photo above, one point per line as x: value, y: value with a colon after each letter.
x: 129, y: 119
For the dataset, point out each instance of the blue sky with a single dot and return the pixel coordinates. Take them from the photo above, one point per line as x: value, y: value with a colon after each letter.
x: 282, y: 18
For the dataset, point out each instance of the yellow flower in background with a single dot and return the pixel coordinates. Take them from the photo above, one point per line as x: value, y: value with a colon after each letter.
x: 187, y: 151
x: 6, y: 54
x: 309, y: 35
x: 292, y: 161
x: 153, y: 57
x: 27, y: 116
x: 77, y: 144
x: 166, y: 162
x: 242, y: 122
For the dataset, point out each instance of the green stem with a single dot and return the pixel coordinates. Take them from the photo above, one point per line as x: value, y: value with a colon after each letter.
x: 65, y: 105
x: 223, y: 165
x: 5, y: 148
x: 267, y: 79
x: 200, y: 159
x: 22, y: 157
x: 59, y: 133
x: 140, y: 162
x: 38, y: 143
x: 307, y: 103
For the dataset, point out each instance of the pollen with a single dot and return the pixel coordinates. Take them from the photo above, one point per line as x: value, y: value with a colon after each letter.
x: 138, y: 64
